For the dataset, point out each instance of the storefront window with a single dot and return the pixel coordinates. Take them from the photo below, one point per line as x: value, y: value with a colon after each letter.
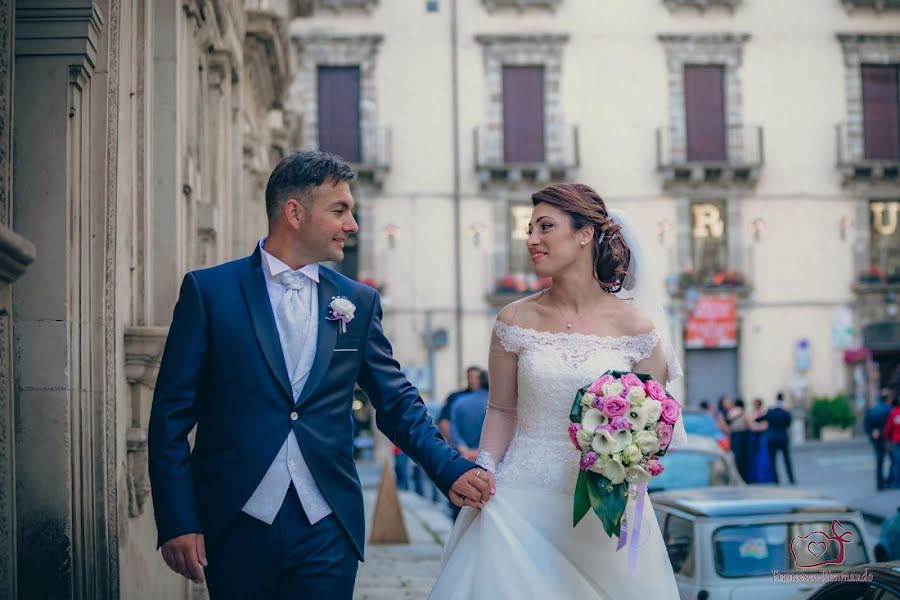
x: 709, y: 251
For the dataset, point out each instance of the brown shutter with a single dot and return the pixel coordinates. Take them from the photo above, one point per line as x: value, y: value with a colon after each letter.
x: 523, y: 114
x: 704, y: 100
x: 338, y: 89
x: 881, y: 112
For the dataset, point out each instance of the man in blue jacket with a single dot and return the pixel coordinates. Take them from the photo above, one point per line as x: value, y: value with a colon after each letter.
x: 262, y: 357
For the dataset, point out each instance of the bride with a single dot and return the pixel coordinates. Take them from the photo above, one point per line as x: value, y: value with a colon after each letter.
x: 601, y: 313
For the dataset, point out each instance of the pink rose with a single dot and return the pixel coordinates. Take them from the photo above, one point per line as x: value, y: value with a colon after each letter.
x: 664, y: 431
x: 655, y: 467
x: 574, y: 428
x: 598, y: 385
x: 598, y: 403
x: 614, y: 407
x: 630, y: 380
x: 655, y: 391
x: 670, y: 411
x: 617, y: 423
x: 588, y: 460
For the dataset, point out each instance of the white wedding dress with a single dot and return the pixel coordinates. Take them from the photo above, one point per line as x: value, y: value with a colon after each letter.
x: 522, y: 544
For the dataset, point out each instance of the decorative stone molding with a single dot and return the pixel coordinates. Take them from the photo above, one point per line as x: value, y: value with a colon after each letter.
x: 343, y: 5
x: 341, y: 50
x: 143, y: 351
x: 265, y: 52
x: 543, y: 49
x: 744, y: 143
x: 16, y: 253
x: 52, y: 29
x: 702, y: 5
x: 521, y: 5
x: 862, y: 49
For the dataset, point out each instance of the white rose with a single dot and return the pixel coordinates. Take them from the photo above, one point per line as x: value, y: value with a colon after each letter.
x: 637, y: 416
x: 584, y: 438
x: 622, y: 438
x: 593, y: 418
x: 614, y: 471
x: 597, y: 467
x: 632, y: 453
x: 636, y: 396
x: 654, y: 409
x: 603, y: 443
x: 587, y: 400
x: 647, y: 441
x: 613, y: 388
x: 343, y: 306
x: 637, y: 474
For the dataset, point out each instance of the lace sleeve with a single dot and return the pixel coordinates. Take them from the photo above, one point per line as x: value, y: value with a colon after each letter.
x: 501, y: 419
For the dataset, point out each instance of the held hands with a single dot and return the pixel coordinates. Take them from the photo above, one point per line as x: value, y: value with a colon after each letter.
x: 473, y: 488
x: 186, y: 555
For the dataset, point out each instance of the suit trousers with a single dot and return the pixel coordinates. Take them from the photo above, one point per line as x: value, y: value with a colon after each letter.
x: 289, y: 559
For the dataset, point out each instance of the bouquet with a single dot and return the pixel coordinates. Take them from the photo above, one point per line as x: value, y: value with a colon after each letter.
x: 621, y: 424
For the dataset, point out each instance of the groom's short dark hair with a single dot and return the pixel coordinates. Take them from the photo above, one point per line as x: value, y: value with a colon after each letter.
x: 297, y: 174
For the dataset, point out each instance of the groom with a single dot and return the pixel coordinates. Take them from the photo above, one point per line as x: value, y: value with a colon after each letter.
x: 262, y: 357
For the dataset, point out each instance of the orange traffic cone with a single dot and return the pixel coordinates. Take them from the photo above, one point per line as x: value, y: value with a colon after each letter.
x: 387, y: 521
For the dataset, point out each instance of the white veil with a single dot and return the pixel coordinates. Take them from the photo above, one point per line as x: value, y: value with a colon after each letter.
x: 641, y: 289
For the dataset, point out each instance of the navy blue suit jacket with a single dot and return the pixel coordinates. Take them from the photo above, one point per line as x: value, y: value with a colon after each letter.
x: 223, y: 370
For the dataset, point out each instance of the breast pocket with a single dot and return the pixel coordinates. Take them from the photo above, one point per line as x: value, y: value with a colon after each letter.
x: 346, y: 345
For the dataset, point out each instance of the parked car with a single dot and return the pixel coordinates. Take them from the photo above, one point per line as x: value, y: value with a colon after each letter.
x: 699, y: 463
x: 734, y: 543
x: 699, y: 422
x: 885, y: 584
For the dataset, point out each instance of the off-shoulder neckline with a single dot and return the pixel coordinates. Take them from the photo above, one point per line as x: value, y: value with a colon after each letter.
x: 576, y: 335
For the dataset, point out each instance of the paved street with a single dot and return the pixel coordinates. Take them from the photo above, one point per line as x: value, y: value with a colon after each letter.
x: 843, y: 470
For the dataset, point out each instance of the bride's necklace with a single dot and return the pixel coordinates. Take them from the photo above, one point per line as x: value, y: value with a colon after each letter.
x: 569, y: 322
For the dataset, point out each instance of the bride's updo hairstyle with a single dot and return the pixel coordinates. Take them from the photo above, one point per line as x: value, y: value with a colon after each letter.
x: 585, y: 207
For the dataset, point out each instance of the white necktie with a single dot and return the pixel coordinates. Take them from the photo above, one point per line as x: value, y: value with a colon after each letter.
x: 294, y: 317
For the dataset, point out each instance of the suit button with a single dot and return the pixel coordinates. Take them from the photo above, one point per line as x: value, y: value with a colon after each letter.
x: 294, y: 416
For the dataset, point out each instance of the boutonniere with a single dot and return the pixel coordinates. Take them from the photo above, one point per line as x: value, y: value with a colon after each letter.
x: 341, y: 310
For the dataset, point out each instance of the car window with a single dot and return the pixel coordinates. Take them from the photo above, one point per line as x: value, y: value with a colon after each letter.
x: 757, y: 550
x: 679, y: 538
x: 700, y: 424
x: 688, y: 469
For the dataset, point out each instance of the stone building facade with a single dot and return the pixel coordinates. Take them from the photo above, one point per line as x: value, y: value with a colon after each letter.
x: 136, y: 137
x: 784, y: 217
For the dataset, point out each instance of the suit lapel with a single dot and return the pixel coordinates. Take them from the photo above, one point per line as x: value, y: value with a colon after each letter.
x: 253, y: 285
x: 327, y: 337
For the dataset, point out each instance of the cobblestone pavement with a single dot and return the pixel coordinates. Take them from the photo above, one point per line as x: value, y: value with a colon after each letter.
x: 394, y: 572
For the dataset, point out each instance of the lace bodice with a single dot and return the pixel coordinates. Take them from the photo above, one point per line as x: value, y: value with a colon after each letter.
x: 548, y: 369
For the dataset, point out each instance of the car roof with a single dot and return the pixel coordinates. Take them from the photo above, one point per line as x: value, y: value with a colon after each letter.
x: 747, y: 500
x: 696, y: 441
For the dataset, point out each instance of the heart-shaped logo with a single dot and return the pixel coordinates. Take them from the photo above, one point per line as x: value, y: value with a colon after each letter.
x: 817, y: 549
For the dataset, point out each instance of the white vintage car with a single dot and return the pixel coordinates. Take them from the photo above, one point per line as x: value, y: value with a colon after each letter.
x: 757, y: 542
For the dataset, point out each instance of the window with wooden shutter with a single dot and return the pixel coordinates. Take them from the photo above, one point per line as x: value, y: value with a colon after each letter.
x: 881, y: 112
x: 704, y: 101
x: 339, y: 130
x: 523, y: 114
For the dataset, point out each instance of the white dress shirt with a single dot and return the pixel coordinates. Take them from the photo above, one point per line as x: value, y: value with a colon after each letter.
x: 289, y: 465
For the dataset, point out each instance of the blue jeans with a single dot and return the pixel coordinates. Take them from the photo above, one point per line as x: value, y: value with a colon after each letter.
x: 895, y: 466
x: 401, y: 471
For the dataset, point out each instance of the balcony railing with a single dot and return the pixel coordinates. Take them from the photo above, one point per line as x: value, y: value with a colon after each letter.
x: 561, y: 156
x: 878, y: 5
x: 374, y: 160
x: 741, y: 161
x: 702, y: 5
x: 852, y: 160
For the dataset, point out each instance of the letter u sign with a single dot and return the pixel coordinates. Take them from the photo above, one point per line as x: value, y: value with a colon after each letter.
x: 884, y: 217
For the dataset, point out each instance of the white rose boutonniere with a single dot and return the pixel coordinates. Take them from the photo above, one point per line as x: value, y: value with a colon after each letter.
x: 341, y: 310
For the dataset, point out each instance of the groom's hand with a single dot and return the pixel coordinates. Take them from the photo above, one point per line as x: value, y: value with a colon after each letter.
x: 473, y: 488
x: 186, y: 555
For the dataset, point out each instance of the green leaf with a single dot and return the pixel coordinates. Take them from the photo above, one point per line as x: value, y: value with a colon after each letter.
x: 582, y: 498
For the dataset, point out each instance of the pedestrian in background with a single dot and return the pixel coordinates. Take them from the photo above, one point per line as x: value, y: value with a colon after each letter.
x: 874, y: 424
x: 401, y: 469
x: 738, y: 433
x: 778, y: 433
x: 476, y: 379
x: 760, y: 467
x: 892, y: 438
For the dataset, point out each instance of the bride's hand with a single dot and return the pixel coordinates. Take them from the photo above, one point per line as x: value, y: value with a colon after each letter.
x: 473, y: 488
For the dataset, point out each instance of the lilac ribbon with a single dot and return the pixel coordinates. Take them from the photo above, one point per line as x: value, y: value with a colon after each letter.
x: 636, y: 534
x: 623, y: 537
x: 342, y: 318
